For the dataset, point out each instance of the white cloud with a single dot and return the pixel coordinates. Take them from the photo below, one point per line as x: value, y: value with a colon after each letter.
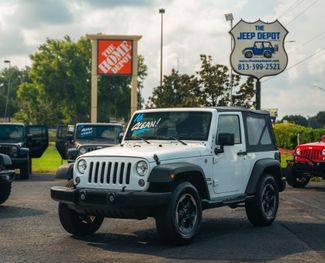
x: 191, y: 28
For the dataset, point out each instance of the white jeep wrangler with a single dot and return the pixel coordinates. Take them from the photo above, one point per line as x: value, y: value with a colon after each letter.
x: 172, y: 164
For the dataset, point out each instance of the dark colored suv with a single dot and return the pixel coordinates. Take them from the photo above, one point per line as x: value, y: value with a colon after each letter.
x: 6, y: 178
x: 86, y: 137
x: 22, y: 143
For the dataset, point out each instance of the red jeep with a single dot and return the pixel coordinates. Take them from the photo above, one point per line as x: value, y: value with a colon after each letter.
x: 308, y: 161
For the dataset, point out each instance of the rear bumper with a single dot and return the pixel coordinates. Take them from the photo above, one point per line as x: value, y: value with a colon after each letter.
x: 133, y: 204
x: 7, y: 176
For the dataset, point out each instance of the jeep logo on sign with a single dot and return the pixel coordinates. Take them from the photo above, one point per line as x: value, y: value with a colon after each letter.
x: 114, y: 57
x: 258, y: 48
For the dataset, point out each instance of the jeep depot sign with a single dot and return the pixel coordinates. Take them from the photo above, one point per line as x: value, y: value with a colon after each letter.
x: 258, y: 48
x: 114, y: 57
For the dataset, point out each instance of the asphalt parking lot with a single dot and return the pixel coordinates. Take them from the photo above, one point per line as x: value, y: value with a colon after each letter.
x: 30, y: 231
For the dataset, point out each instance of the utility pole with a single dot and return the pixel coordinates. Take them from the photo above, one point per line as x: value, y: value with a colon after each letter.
x: 161, y: 12
x: 8, y: 88
x: 230, y: 17
x: 258, y: 94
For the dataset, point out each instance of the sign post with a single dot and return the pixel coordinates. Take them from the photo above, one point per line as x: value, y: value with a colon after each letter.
x: 113, y: 55
x: 258, y: 51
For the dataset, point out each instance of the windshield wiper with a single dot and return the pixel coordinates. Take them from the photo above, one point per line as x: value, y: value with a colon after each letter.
x: 176, y: 139
x: 140, y: 138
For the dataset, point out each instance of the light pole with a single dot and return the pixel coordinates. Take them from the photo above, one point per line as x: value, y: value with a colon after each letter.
x: 230, y: 17
x: 161, y: 12
x: 8, y: 88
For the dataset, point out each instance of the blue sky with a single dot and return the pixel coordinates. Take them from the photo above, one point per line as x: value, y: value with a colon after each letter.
x: 192, y: 27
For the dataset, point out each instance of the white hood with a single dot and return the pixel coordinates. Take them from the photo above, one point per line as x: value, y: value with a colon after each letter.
x: 164, y: 151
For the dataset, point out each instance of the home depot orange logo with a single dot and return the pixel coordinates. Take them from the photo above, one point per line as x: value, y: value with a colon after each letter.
x: 114, y: 57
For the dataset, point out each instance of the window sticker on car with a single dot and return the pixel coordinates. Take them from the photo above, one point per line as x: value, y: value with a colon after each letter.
x: 86, y: 131
x: 141, y: 126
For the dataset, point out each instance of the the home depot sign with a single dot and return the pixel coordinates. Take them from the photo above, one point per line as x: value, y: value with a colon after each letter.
x: 114, y: 57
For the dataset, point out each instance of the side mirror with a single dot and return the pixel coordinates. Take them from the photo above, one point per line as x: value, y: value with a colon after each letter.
x: 323, y: 138
x: 120, y: 137
x: 224, y: 139
x: 69, y: 137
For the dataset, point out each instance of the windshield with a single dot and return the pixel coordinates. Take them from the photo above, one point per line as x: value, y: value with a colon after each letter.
x: 11, y: 133
x: 183, y: 125
x: 98, y: 132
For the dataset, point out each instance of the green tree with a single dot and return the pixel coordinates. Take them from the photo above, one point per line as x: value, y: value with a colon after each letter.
x: 178, y: 90
x: 11, y: 78
x: 320, y: 117
x: 209, y: 87
x: 296, y: 119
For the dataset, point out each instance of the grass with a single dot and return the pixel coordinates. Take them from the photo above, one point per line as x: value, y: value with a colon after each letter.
x: 49, y: 162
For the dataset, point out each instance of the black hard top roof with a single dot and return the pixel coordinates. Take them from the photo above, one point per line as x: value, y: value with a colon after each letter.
x: 242, y: 109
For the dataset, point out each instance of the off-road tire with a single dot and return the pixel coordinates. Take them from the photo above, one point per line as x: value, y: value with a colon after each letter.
x: 69, y: 183
x: 261, y: 210
x: 267, y: 54
x: 248, y: 54
x: 78, y: 224
x: 183, y: 209
x: 294, y: 179
x: 5, y: 189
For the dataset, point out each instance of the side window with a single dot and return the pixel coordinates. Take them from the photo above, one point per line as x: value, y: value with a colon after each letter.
x: 37, y: 131
x: 229, y: 124
x: 258, y: 133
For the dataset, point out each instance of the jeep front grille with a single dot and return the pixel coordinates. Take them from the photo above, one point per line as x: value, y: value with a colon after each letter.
x: 312, y: 154
x: 5, y: 149
x: 116, y: 173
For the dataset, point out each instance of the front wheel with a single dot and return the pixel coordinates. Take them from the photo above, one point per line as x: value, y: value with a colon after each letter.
x: 261, y: 210
x: 5, y: 189
x: 180, y: 220
x: 25, y: 170
x: 78, y: 224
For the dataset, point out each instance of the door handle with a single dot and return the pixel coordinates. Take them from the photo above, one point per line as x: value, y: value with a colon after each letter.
x: 241, y: 153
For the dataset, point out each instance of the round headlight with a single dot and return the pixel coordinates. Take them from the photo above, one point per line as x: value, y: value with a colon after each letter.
x: 298, y: 151
x: 82, y: 150
x: 142, y: 168
x: 82, y: 166
x: 323, y: 152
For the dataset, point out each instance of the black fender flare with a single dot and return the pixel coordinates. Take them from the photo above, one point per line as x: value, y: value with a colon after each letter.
x: 262, y: 166
x: 169, y: 173
x: 65, y: 171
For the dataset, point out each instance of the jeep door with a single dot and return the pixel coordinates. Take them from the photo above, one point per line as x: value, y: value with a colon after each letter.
x: 37, y: 140
x: 228, y: 165
x: 61, y: 142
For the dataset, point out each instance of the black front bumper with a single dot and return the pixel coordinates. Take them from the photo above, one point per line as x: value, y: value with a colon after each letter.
x: 314, y: 169
x: 7, y: 176
x: 131, y: 204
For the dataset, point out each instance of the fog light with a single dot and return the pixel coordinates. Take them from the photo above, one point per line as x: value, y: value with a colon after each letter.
x: 77, y: 180
x: 82, y: 196
x: 111, y: 198
x: 141, y: 182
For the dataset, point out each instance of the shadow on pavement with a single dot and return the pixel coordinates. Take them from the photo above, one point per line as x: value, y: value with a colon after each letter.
x: 221, y: 239
x: 18, y: 212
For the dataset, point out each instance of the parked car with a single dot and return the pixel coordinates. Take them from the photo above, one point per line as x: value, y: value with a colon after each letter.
x: 260, y: 48
x: 22, y: 143
x: 171, y: 165
x: 73, y: 141
x: 6, y: 178
x: 308, y: 161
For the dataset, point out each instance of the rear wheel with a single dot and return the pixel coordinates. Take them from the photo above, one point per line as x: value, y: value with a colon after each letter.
x: 180, y: 220
x: 248, y: 54
x: 5, y: 189
x: 267, y: 54
x: 262, y: 209
x: 297, y: 180
x: 78, y: 224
